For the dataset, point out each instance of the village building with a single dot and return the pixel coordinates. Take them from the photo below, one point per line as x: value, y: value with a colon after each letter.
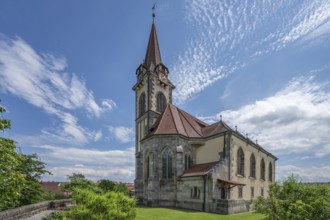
x: 184, y: 162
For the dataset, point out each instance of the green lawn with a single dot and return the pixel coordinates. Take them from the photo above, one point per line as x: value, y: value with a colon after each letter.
x: 181, y: 214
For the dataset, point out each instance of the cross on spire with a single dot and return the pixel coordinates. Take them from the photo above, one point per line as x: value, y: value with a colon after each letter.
x: 153, y: 13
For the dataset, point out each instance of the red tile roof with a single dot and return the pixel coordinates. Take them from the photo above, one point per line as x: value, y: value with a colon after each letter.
x: 176, y: 121
x: 199, y: 169
x: 53, y: 187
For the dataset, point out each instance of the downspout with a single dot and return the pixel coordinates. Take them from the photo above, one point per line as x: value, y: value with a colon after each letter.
x: 229, y: 162
x: 204, y: 194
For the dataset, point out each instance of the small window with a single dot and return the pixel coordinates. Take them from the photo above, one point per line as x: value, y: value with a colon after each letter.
x: 223, y: 192
x: 195, y: 192
x: 262, y: 192
x: 252, y: 192
x: 240, y: 192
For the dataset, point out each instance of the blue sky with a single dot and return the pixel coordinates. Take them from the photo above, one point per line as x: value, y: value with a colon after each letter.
x: 67, y: 69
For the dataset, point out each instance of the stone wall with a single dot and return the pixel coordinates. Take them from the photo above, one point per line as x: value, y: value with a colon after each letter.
x: 33, y: 209
x: 224, y: 206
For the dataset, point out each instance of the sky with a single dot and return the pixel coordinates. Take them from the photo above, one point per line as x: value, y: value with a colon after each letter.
x: 67, y: 69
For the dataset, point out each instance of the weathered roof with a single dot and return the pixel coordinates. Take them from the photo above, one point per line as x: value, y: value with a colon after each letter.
x: 199, y: 169
x: 176, y: 121
x: 153, y: 57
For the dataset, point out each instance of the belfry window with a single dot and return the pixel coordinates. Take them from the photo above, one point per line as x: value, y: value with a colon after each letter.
x: 161, y: 102
x: 262, y: 169
x: 252, y: 166
x: 270, y: 172
x: 240, y: 162
x: 166, y: 165
x: 142, y: 104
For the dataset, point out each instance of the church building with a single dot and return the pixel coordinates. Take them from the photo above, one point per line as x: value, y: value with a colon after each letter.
x: 184, y: 162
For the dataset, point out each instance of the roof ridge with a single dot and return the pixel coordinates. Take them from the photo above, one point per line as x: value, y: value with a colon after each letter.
x: 183, y: 115
x: 174, y: 121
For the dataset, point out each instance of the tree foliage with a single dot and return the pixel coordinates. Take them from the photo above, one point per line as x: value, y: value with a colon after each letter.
x: 105, y: 200
x: 32, y: 169
x: 294, y: 200
x: 19, y: 174
x: 78, y: 181
x: 108, y: 185
x: 11, y: 179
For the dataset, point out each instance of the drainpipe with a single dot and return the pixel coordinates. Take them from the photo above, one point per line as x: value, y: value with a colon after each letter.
x: 204, y: 194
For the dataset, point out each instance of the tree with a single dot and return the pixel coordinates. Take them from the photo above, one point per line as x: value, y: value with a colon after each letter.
x: 19, y: 174
x: 108, y: 185
x: 294, y: 200
x: 11, y: 179
x: 32, y: 169
x: 78, y: 181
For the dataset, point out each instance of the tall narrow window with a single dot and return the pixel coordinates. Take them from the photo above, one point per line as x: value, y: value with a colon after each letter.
x: 240, y: 191
x: 223, y: 192
x: 148, y: 167
x: 240, y: 162
x: 262, y: 169
x: 252, y: 192
x: 161, y: 102
x: 166, y: 165
x: 270, y: 172
x: 252, y: 166
x: 142, y: 104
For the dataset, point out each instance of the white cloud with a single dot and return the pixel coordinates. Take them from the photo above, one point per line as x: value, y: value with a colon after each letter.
x: 123, y: 134
x: 94, y: 164
x: 296, y: 119
x: 232, y: 32
x: 40, y: 80
x: 307, y: 174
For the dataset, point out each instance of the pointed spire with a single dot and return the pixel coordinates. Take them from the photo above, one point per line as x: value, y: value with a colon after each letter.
x: 153, y: 57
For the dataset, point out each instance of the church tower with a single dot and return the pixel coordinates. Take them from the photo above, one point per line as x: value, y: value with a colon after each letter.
x: 153, y: 89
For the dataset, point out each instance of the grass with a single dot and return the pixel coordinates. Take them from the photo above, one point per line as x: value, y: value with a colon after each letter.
x: 182, y: 214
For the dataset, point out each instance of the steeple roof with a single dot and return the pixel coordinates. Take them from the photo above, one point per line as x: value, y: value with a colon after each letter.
x: 153, y: 57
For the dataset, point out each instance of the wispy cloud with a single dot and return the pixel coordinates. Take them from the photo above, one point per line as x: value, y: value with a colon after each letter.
x: 122, y: 134
x: 94, y: 164
x: 232, y: 32
x: 41, y: 80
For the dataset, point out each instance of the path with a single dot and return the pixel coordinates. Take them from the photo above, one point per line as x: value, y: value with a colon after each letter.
x: 40, y: 215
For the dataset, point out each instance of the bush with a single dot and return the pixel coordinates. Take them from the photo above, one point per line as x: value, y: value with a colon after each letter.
x: 293, y: 200
x: 93, y: 206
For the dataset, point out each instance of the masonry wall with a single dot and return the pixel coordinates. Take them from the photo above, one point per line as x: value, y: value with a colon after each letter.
x: 257, y: 183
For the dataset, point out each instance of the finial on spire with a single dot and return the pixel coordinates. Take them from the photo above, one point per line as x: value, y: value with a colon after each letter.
x: 220, y: 117
x: 153, y: 12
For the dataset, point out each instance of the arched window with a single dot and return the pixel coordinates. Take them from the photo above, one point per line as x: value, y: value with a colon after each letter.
x: 166, y: 165
x: 161, y: 102
x: 262, y: 169
x: 270, y: 173
x: 240, y: 162
x: 252, y: 166
x: 142, y: 103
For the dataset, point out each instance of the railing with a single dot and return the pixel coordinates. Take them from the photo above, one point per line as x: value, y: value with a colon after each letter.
x: 33, y: 209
